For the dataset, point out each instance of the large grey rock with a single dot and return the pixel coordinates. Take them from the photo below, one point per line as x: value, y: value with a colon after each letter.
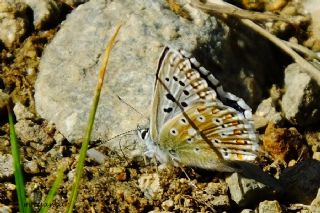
x: 73, y: 3
x: 69, y: 65
x: 301, y: 98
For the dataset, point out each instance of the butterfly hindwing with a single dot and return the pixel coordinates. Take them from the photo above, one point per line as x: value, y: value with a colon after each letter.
x: 219, y: 131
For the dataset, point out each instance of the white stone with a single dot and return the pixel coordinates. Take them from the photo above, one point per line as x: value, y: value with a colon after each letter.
x: 6, y: 166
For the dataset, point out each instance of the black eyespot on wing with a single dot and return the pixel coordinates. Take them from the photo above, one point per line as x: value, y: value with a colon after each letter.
x: 186, y: 92
x: 182, y: 83
x: 167, y: 79
x: 167, y: 110
x: 170, y: 97
x: 184, y: 104
x: 218, y: 120
x: 201, y: 118
x: 175, y: 78
x: 173, y: 131
x: 144, y: 133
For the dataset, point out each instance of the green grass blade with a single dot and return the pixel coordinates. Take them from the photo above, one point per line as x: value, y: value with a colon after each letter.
x: 85, y: 143
x: 18, y: 174
x: 53, y: 191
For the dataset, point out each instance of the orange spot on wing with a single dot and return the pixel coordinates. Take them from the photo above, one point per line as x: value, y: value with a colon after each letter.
x: 228, y: 116
x: 237, y: 132
x: 201, y: 108
x: 215, y: 111
x: 239, y: 156
x: 239, y: 141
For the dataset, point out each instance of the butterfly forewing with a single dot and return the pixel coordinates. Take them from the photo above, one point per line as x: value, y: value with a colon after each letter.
x: 193, y: 120
x: 176, y: 81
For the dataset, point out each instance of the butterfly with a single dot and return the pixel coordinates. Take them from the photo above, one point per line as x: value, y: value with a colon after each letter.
x: 193, y: 121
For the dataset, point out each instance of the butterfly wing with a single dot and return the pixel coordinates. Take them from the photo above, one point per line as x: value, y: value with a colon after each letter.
x: 220, y: 135
x: 176, y: 81
x: 168, y: 75
x: 184, y: 91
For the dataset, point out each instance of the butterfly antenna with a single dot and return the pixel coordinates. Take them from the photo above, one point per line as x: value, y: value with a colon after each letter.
x: 131, y: 107
x: 116, y: 136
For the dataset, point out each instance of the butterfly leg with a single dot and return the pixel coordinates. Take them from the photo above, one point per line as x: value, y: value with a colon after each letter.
x: 156, y: 164
x: 187, y: 176
x: 151, y: 155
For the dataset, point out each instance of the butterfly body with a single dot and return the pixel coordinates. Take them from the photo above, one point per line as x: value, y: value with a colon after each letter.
x: 193, y: 121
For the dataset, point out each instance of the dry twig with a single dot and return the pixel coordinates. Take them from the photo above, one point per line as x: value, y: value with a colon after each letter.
x: 244, y: 16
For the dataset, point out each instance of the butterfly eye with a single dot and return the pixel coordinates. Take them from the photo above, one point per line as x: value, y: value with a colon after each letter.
x: 173, y: 131
x: 197, y: 149
x: 143, y: 133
